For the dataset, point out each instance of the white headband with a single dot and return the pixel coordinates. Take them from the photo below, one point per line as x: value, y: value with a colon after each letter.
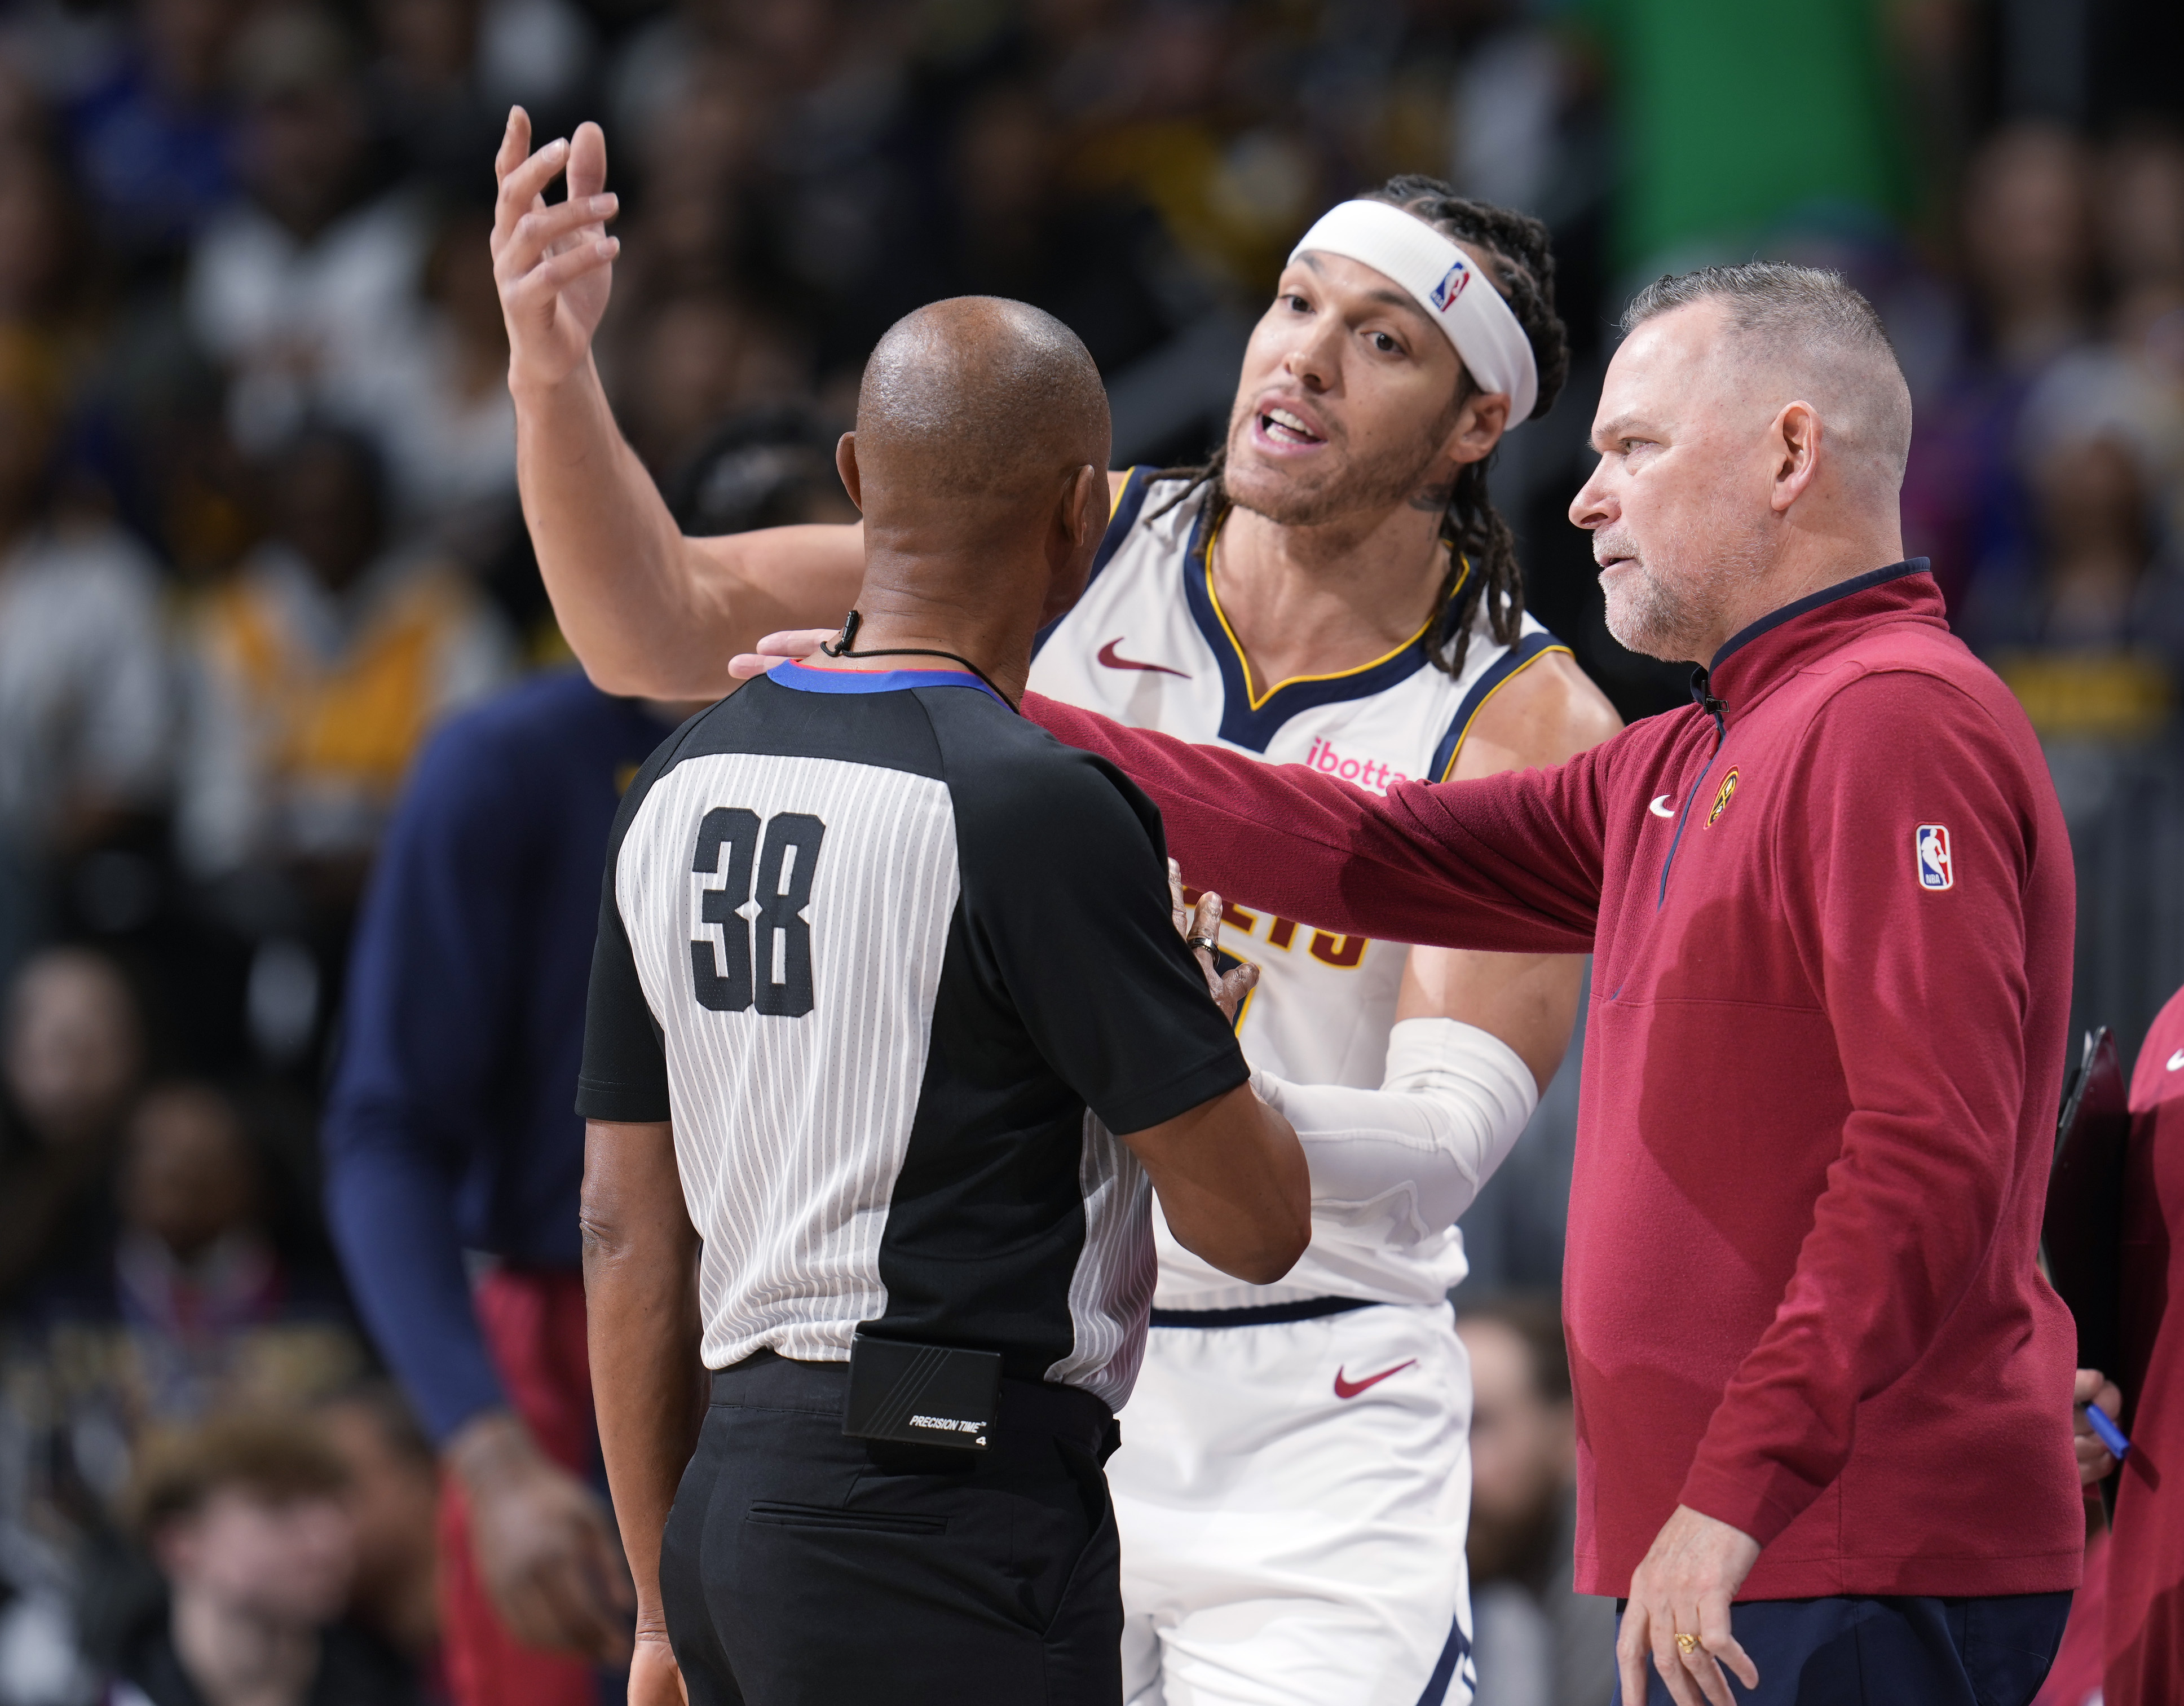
x: 1436, y: 272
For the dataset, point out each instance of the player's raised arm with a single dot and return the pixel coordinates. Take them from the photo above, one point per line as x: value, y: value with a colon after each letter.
x: 647, y: 610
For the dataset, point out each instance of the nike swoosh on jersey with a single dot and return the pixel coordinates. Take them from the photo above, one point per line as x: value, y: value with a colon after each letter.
x: 1662, y: 807
x: 1350, y: 1389
x: 2176, y: 1061
x: 1108, y: 655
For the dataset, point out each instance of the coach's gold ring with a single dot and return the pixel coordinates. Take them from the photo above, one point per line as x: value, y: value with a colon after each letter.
x: 1687, y: 1642
x: 1204, y: 941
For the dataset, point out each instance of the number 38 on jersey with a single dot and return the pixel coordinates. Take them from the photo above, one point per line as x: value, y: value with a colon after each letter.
x: 763, y: 956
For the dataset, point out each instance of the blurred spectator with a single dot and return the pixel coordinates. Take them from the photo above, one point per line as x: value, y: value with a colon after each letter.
x: 2028, y: 261
x: 2142, y: 220
x: 449, y: 68
x: 302, y: 289
x: 2028, y: 250
x: 245, y: 1517
x: 697, y: 152
x: 449, y: 1130
x: 213, y: 1311
x: 48, y: 267
x: 183, y: 1306
x: 770, y: 468
x: 393, y: 1495
x: 439, y: 401
x: 2090, y: 633
x: 694, y: 360
x: 1186, y: 134
x: 71, y: 1055
x: 1023, y: 232
x: 1538, y: 1642
x: 319, y: 668
x: 152, y: 139
x: 84, y: 710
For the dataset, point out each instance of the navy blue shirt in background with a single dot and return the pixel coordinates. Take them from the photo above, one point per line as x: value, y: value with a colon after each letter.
x: 450, y: 1125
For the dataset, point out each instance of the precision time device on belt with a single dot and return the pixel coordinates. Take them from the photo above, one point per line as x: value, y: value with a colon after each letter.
x: 922, y: 1394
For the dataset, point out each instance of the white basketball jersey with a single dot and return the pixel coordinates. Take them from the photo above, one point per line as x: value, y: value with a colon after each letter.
x: 1149, y: 646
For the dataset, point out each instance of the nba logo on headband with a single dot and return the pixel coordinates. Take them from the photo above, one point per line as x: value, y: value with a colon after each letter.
x: 1435, y: 274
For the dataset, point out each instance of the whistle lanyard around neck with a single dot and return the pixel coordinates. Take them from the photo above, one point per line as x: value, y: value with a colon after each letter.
x: 847, y: 637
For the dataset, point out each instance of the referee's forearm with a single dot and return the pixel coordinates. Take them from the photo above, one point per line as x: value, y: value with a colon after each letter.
x: 640, y: 1255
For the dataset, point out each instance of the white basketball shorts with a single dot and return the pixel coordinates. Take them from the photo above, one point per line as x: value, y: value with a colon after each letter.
x: 1292, y: 1498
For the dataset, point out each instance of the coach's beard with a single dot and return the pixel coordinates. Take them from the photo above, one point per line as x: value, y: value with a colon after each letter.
x: 1667, y: 612
x: 1644, y: 615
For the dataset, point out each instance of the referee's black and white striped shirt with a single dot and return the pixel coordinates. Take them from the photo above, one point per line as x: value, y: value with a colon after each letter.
x: 897, y: 964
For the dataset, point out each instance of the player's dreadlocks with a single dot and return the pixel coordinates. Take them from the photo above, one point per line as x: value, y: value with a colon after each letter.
x: 1516, y: 248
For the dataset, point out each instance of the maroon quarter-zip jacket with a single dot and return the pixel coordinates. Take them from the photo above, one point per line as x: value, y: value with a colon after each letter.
x: 1830, y: 908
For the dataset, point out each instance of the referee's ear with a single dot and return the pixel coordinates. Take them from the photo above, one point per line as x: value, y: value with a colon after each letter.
x: 845, y: 464
x: 1072, y: 541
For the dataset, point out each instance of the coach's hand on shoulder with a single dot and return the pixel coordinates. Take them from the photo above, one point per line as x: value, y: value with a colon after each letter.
x: 794, y: 642
x: 545, y: 1543
x: 1678, y: 1612
x: 555, y: 264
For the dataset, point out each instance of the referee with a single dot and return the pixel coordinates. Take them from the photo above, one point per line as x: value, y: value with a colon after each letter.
x: 882, y: 971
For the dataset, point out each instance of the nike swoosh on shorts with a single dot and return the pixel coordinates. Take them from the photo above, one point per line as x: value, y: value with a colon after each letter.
x: 1350, y: 1389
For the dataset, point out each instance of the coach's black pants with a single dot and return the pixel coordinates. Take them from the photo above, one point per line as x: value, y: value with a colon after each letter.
x: 1857, y: 1651
x: 803, y: 1568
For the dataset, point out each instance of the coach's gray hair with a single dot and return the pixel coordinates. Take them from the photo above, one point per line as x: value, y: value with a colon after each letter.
x: 1822, y: 335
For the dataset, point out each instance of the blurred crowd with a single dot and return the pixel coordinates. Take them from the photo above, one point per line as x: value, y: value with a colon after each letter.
x: 259, y: 535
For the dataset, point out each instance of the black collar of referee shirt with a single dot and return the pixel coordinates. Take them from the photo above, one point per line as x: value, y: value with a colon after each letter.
x: 1708, y: 693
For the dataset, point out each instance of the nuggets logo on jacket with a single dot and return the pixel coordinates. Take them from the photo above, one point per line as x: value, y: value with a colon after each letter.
x: 1722, y: 799
x: 1935, y: 869
x: 1450, y: 287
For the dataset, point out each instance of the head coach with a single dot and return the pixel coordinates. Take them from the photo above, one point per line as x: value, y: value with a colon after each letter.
x: 1816, y: 1371
x: 882, y: 969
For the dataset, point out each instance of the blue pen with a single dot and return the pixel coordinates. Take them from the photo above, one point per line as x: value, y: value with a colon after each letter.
x: 2111, y: 1435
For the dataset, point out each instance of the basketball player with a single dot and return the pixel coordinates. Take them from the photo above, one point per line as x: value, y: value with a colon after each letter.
x: 1336, y: 590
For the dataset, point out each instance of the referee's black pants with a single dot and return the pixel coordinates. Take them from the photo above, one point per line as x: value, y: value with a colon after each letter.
x: 803, y: 1568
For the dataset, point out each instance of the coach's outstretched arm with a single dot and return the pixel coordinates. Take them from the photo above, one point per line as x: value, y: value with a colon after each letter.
x: 1508, y: 864
x: 641, y: 1293
x: 646, y: 609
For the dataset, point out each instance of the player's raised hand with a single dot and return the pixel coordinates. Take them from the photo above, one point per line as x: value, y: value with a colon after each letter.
x: 555, y: 264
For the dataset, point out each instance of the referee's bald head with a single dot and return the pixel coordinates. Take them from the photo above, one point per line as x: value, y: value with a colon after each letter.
x: 978, y: 397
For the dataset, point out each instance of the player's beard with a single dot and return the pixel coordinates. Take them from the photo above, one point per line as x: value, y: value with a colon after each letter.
x: 1347, y: 486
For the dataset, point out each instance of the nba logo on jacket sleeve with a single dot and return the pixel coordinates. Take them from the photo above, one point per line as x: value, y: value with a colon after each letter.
x: 1935, y: 871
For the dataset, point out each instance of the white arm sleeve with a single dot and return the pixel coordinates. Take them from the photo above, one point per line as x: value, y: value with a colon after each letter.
x: 1400, y: 1164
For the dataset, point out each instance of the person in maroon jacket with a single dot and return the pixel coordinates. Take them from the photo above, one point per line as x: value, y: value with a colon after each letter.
x: 1822, y: 1387
x: 2142, y: 1636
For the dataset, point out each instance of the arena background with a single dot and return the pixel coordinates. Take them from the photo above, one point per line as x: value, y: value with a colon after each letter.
x: 258, y: 528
